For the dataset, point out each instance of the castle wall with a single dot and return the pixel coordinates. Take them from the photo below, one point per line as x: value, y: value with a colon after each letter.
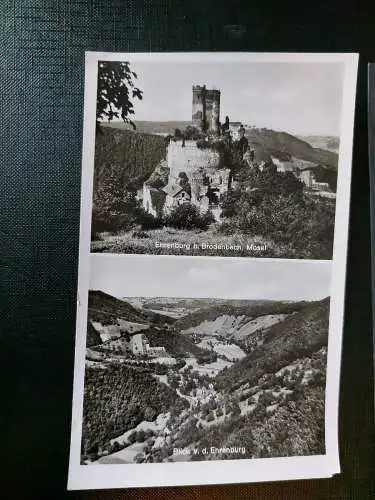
x: 189, y: 158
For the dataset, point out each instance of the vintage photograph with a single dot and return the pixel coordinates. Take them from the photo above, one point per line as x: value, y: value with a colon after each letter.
x: 189, y: 378
x: 216, y: 158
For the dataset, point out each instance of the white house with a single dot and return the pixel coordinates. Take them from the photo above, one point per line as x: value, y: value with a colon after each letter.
x: 140, y: 346
x: 175, y: 195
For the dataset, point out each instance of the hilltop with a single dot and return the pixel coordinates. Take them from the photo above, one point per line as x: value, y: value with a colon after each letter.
x: 266, y: 141
x: 270, y: 142
x: 151, y: 127
x: 106, y: 309
x: 327, y: 142
x: 133, y: 216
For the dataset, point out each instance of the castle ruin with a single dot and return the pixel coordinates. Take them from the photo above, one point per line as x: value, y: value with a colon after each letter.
x: 196, y: 174
x: 206, y: 109
x: 195, y: 171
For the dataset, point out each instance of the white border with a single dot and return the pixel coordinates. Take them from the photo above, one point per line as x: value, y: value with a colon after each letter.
x: 229, y: 471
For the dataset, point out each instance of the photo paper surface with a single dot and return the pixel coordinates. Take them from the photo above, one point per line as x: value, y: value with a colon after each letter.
x: 214, y: 222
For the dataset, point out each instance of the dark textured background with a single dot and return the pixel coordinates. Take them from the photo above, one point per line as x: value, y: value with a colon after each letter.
x: 42, y: 46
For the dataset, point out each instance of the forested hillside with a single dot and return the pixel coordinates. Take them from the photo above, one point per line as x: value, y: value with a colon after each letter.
x: 299, y: 335
x: 106, y: 309
x: 118, y: 398
x: 133, y: 155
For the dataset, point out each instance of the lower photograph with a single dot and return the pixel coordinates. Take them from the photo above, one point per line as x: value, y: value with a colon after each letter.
x: 235, y: 374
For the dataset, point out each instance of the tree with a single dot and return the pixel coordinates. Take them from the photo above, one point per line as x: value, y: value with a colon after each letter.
x: 192, y: 133
x: 115, y: 207
x: 187, y: 216
x: 116, y: 91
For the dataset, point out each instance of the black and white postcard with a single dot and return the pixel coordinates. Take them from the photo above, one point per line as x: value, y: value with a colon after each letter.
x: 216, y: 157
x: 214, y: 224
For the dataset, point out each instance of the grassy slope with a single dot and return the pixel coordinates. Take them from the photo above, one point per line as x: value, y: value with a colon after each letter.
x: 268, y: 142
x: 298, y: 335
x: 252, y: 309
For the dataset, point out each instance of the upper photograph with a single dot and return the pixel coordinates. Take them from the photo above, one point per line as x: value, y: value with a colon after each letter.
x: 224, y: 155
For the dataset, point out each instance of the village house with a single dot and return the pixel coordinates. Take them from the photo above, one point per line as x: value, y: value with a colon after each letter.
x: 307, y: 177
x: 140, y: 346
x: 175, y: 195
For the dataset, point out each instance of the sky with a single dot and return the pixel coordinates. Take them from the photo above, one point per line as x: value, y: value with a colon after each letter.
x: 209, y: 277
x: 299, y: 98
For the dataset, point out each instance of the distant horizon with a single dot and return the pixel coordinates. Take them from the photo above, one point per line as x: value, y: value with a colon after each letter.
x: 190, y: 121
x: 294, y: 97
x: 236, y: 279
x: 125, y: 297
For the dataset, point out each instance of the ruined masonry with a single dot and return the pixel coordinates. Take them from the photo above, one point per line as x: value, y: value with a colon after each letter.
x: 208, y: 179
x: 195, y: 170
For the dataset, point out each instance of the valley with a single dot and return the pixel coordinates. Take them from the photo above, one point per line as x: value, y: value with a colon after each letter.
x: 241, y: 379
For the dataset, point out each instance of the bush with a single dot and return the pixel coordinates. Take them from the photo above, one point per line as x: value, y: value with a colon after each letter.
x: 187, y: 216
x: 180, y: 364
x: 139, y: 458
x: 148, y: 221
x: 150, y: 414
x: 132, y: 438
x: 141, y: 436
x: 191, y: 133
x: 140, y: 234
x: 265, y: 399
x: 219, y: 412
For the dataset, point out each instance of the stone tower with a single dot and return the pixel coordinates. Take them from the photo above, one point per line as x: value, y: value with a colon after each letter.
x: 206, y: 109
